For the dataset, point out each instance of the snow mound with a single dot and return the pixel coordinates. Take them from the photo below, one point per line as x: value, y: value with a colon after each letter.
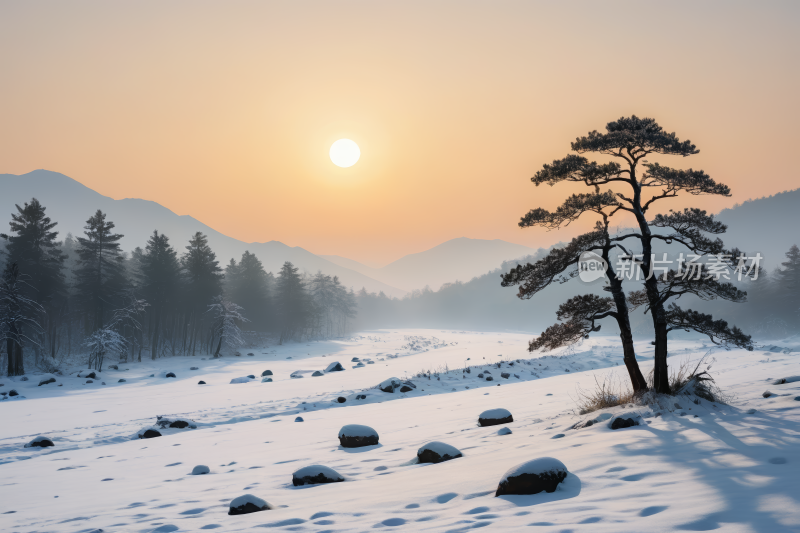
x: 790, y: 379
x: 533, y: 477
x: 334, y: 367
x: 625, y: 420
x: 390, y: 385
x: 493, y: 417
x: 437, y: 452
x: 162, y: 422
x: 247, y: 503
x: 199, y: 470
x: 356, y: 436
x: 315, y: 474
x: 40, y: 442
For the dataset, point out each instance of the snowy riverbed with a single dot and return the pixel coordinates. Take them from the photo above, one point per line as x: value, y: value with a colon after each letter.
x: 723, y: 469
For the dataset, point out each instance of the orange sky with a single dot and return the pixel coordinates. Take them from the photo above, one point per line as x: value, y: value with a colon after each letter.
x: 226, y: 110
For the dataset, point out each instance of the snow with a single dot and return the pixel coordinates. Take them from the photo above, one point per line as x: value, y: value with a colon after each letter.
x: 357, y: 430
x: 725, y: 470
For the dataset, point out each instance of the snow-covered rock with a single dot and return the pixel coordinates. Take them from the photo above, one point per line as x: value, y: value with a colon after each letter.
x: 266, y: 373
x: 296, y: 375
x: 390, y: 384
x: 790, y: 379
x: 47, y: 381
x: 532, y: 477
x: 299, y: 419
x: 148, y: 433
x: 266, y: 380
x: 437, y: 452
x: 504, y: 431
x: 247, y: 503
x: 625, y: 420
x: 315, y: 474
x: 243, y: 379
x: 201, y: 382
x: 334, y: 367
x: 40, y: 442
x: 317, y: 374
x: 199, y: 470
x: 493, y: 417
x: 341, y: 399
x: 356, y: 436
x: 169, y: 375
x: 164, y: 422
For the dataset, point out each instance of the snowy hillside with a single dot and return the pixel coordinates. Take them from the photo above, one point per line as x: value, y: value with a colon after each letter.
x: 690, y: 464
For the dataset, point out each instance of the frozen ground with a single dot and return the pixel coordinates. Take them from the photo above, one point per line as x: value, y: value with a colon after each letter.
x: 715, y: 467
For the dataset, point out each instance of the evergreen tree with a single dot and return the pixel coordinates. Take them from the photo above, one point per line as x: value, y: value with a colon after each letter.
x: 161, y: 276
x: 99, y: 277
x: 630, y: 141
x: 32, y: 245
x: 292, y: 302
x: 786, y: 281
x: 18, y: 318
x: 203, y: 284
x: 249, y: 287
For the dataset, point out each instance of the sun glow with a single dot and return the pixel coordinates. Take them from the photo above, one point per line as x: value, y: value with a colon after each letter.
x: 344, y: 153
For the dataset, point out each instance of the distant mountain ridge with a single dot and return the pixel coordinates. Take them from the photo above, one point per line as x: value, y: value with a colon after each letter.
x: 460, y: 259
x: 71, y: 203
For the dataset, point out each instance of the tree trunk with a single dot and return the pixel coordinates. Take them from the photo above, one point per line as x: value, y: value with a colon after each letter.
x: 638, y: 382
x: 216, y: 354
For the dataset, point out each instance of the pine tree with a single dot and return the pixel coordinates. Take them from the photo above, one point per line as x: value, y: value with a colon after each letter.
x: 249, y: 287
x: 203, y: 284
x: 18, y: 318
x: 161, y: 277
x: 292, y: 302
x: 630, y: 141
x: 786, y: 280
x: 100, y: 274
x: 32, y: 245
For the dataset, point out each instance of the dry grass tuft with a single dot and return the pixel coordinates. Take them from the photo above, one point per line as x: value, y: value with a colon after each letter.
x: 609, y: 392
x: 685, y: 379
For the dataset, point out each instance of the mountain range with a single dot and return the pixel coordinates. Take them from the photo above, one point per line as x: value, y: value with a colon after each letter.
x: 71, y: 203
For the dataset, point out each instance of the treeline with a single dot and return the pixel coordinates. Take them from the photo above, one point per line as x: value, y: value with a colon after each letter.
x: 85, y: 296
x: 772, y: 309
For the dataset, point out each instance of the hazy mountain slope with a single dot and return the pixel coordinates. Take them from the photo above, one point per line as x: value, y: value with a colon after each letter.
x: 71, y: 203
x: 352, y: 264
x: 455, y: 260
x: 768, y: 225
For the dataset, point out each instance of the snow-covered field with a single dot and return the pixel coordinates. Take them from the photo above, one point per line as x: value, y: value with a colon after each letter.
x: 696, y: 467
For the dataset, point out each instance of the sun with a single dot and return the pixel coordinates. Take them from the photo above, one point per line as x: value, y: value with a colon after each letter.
x: 344, y: 153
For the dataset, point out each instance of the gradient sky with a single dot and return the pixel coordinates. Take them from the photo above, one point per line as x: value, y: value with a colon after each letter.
x: 226, y: 110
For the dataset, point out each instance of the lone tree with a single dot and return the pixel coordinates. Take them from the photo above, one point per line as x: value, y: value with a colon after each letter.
x: 631, y: 140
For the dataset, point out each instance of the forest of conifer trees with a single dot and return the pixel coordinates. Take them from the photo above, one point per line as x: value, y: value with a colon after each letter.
x: 84, y: 297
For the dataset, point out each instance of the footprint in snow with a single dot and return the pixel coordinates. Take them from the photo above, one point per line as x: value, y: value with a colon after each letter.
x: 444, y: 498
x: 477, y: 510
x: 650, y: 511
x: 391, y: 522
